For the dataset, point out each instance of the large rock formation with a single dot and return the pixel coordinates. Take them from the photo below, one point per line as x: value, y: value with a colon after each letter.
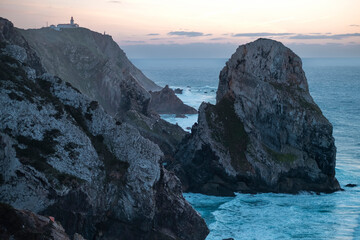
x: 95, y: 64
x: 265, y: 133
x: 62, y: 155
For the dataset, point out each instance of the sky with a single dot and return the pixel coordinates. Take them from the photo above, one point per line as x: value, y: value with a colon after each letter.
x: 203, y: 28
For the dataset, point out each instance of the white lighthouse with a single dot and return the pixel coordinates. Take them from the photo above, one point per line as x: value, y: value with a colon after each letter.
x: 71, y: 25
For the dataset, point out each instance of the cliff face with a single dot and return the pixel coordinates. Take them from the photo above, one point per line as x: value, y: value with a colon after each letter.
x: 94, y: 64
x: 62, y: 155
x: 265, y: 132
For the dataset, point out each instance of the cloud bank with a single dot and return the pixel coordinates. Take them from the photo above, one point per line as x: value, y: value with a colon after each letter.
x: 224, y: 50
x: 188, y: 34
x: 261, y: 34
x: 333, y: 36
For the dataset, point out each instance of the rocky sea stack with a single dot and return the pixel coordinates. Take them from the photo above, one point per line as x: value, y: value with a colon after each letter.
x: 265, y: 133
x: 62, y: 155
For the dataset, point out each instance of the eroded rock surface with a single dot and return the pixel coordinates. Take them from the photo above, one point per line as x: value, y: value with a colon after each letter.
x: 62, y: 155
x: 265, y: 132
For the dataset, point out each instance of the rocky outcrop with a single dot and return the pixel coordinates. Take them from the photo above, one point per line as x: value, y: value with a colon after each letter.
x: 61, y: 155
x: 165, y: 101
x: 265, y: 133
x: 22, y: 224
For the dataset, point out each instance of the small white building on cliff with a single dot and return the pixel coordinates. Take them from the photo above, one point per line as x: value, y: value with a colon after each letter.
x: 65, y: 25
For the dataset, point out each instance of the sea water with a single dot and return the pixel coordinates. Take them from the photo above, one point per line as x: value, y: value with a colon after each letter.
x: 335, y: 87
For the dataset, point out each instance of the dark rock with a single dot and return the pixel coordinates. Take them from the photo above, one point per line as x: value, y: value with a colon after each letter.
x: 180, y: 116
x: 62, y: 155
x: 265, y: 133
x: 351, y: 185
x: 165, y: 101
x: 22, y: 224
x: 167, y: 136
x: 178, y: 90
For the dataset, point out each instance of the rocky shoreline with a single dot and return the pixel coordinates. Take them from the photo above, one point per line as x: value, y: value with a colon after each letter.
x: 84, y: 152
x: 63, y: 156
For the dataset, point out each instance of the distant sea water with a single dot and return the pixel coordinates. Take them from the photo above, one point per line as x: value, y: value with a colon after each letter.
x: 335, y: 87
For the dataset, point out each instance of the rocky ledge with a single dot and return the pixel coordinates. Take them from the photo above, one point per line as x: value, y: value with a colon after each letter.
x: 61, y: 155
x: 265, y: 133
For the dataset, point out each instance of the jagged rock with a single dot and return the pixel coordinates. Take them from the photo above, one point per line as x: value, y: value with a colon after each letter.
x: 265, y: 133
x: 165, y: 101
x: 63, y: 156
x: 22, y: 224
x: 178, y: 90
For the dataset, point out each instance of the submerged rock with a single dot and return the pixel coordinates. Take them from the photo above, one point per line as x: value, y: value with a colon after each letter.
x: 62, y: 155
x: 265, y: 133
x: 178, y: 90
x: 165, y: 101
x: 351, y: 185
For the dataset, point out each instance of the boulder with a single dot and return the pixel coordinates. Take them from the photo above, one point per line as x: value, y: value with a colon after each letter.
x: 265, y: 133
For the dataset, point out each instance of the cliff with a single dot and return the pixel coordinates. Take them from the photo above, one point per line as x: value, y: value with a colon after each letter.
x: 265, y: 133
x: 62, y: 155
x: 94, y: 64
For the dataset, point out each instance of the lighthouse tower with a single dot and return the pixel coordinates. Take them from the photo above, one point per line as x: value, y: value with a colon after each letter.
x: 72, y: 21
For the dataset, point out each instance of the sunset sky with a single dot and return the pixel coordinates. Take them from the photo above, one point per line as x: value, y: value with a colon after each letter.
x: 316, y: 27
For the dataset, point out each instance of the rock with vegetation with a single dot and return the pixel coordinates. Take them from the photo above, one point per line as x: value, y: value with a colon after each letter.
x: 62, y: 155
x: 265, y: 133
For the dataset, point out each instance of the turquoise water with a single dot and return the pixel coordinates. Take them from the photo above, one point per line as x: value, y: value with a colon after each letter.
x: 335, y: 87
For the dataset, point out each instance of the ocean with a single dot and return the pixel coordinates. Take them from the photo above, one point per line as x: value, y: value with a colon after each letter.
x: 335, y: 87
